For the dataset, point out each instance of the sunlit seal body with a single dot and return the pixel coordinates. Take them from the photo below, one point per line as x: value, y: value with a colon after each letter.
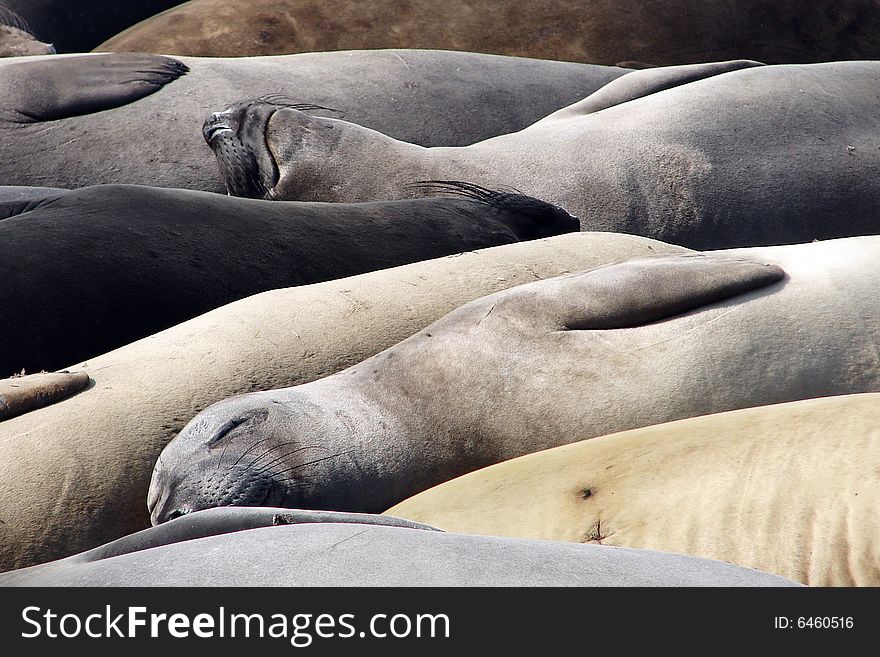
x: 790, y: 489
x: 145, y: 392
x: 99, y: 127
x: 540, y: 365
x: 278, y: 547
x: 797, y: 157
x: 116, y: 263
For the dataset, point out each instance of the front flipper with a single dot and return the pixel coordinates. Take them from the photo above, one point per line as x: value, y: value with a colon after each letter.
x: 61, y: 87
x: 637, y: 291
x: 639, y: 84
x: 25, y: 393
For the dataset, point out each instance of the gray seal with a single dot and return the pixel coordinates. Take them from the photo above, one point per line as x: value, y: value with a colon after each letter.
x: 706, y: 156
x: 537, y: 366
x: 80, y: 25
x: 100, y: 125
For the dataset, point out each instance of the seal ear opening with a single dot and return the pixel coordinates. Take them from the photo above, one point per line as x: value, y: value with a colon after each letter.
x: 543, y: 219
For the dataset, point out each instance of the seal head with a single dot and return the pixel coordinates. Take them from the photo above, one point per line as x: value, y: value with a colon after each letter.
x: 237, y: 135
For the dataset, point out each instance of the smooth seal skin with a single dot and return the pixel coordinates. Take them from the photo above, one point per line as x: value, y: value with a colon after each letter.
x: 26, y: 392
x: 144, y: 393
x: 80, y: 25
x: 707, y: 156
x: 116, y: 263
x: 226, y: 547
x: 17, y: 39
x: 431, y: 98
x: 790, y: 489
x: 661, y: 32
x: 214, y: 522
x: 540, y: 365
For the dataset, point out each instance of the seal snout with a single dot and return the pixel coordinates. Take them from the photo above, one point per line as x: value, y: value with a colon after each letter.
x: 207, y: 488
x: 216, y: 124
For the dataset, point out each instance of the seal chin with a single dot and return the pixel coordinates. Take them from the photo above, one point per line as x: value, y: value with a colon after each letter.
x: 237, y: 136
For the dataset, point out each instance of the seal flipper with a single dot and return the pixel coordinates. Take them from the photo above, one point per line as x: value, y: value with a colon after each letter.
x: 61, y: 87
x: 642, y: 290
x: 641, y: 83
x: 25, y: 393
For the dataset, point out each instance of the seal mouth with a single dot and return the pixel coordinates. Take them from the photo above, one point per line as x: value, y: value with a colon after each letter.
x: 237, y: 136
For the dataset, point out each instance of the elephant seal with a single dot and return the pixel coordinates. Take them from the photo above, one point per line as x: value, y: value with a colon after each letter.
x: 80, y: 25
x: 798, y: 157
x: 661, y: 32
x: 229, y: 547
x: 646, y: 341
x: 790, y: 489
x: 119, y: 262
x: 92, y: 132
x: 145, y: 392
x: 23, y: 393
x: 17, y: 39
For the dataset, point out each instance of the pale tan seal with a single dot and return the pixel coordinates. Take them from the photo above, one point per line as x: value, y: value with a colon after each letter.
x: 791, y: 489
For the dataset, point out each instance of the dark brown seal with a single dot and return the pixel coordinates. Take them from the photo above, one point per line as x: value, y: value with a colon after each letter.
x: 657, y: 32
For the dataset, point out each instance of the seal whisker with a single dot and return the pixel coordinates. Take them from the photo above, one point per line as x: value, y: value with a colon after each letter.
x: 323, y: 458
x: 254, y: 461
x: 248, y: 450
x: 264, y: 466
